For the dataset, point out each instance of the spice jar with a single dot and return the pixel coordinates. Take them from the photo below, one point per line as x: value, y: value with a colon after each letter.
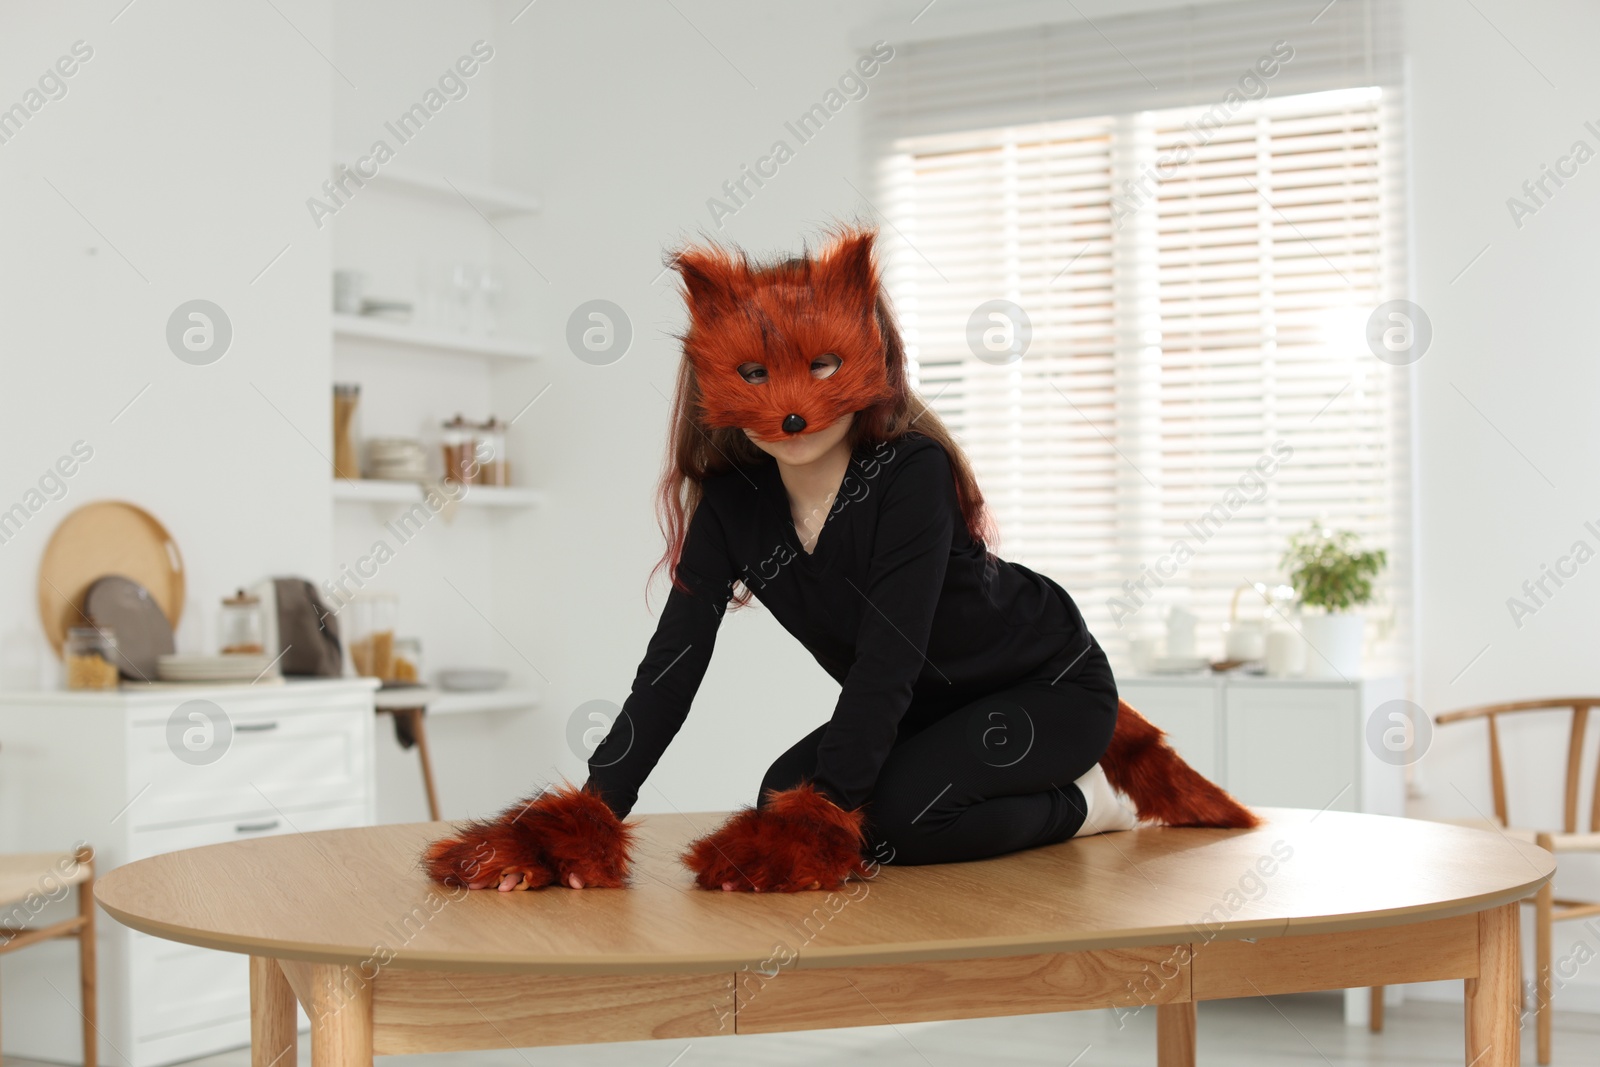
x: 407, y: 660
x: 240, y: 625
x: 346, y: 457
x: 459, y: 463
x: 490, y: 449
x: 91, y: 656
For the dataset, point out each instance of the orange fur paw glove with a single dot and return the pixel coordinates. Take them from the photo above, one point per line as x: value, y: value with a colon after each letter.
x: 798, y: 840
x: 562, y: 832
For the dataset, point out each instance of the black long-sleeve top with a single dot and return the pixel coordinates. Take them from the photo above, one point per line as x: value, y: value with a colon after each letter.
x: 896, y: 602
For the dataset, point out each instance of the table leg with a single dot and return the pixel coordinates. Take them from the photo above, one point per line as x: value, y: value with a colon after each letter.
x: 1494, y: 996
x: 272, y: 1017
x: 1175, y: 1034
x: 341, y: 1016
x: 1544, y: 909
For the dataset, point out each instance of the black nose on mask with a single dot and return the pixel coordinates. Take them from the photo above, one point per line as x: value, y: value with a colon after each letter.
x: 793, y: 424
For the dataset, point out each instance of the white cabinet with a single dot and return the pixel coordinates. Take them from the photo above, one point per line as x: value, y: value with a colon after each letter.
x: 1278, y: 742
x: 140, y: 771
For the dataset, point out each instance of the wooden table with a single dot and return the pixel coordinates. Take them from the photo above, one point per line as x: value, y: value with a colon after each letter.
x: 386, y: 962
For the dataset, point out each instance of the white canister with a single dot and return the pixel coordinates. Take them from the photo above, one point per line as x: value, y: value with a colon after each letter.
x: 1285, y: 652
x: 1244, y: 639
x: 1181, y: 624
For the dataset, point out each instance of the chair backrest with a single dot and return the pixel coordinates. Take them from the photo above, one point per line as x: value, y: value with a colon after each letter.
x: 1579, y: 709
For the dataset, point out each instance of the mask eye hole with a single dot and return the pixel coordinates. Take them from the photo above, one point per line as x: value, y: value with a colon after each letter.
x: 754, y: 373
x: 825, y: 365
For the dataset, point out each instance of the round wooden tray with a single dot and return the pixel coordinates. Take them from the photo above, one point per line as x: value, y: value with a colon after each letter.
x: 101, y: 538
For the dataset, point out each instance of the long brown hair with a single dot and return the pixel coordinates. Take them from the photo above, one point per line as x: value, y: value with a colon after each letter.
x: 695, y: 452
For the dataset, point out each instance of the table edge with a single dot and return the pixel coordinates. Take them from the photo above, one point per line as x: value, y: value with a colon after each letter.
x: 822, y: 957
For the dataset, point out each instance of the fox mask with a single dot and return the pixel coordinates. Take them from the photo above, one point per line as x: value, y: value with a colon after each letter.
x: 787, y: 349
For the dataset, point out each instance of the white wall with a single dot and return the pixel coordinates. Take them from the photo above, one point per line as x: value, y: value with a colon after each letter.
x: 1507, y: 401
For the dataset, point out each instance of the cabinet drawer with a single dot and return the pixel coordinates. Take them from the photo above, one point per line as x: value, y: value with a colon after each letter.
x: 270, y: 759
x: 145, y: 843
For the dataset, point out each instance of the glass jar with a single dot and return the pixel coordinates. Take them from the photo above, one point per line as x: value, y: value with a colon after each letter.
x: 240, y: 627
x: 490, y: 449
x: 455, y: 436
x: 407, y: 661
x: 348, y: 288
x: 486, y: 303
x: 90, y: 653
x: 346, y: 455
x: 372, y: 623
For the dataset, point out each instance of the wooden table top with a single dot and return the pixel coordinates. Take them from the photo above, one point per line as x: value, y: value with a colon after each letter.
x: 353, y: 896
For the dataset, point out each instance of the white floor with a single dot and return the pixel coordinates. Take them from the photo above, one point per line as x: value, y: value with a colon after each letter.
x: 1286, y: 1031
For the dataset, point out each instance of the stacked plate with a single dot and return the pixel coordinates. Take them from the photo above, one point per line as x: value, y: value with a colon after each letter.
x: 400, y: 459
x: 231, y: 668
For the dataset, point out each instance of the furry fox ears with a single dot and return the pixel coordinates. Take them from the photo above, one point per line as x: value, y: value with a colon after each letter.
x: 718, y: 279
x: 789, y: 347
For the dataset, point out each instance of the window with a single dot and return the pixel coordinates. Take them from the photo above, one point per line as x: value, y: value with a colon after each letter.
x: 1196, y: 284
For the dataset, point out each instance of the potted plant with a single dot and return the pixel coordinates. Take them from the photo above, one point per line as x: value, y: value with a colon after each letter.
x: 1329, y: 570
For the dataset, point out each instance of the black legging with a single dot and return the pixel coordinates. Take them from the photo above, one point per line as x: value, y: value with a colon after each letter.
x: 992, y: 776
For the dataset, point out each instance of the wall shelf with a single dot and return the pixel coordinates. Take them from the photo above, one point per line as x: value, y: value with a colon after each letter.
x: 362, y: 328
x: 448, y: 702
x: 378, y: 491
x: 496, y: 201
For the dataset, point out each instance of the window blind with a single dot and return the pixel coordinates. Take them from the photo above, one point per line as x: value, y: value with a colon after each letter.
x: 1074, y: 68
x: 1197, y: 385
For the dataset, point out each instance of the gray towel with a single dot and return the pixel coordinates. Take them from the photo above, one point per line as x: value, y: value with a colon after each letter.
x: 307, y: 630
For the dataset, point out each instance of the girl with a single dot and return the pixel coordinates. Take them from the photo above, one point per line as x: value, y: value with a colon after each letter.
x: 975, y: 705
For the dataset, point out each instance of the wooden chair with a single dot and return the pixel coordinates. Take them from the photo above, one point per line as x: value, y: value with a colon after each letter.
x: 409, y: 705
x: 1548, y: 908
x: 27, y: 879
x: 414, y: 718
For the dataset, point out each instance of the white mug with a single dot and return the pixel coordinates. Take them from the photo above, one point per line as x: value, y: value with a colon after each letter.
x: 1145, y: 648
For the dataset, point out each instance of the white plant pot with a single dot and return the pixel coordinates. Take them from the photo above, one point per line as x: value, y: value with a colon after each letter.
x: 1335, y: 644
